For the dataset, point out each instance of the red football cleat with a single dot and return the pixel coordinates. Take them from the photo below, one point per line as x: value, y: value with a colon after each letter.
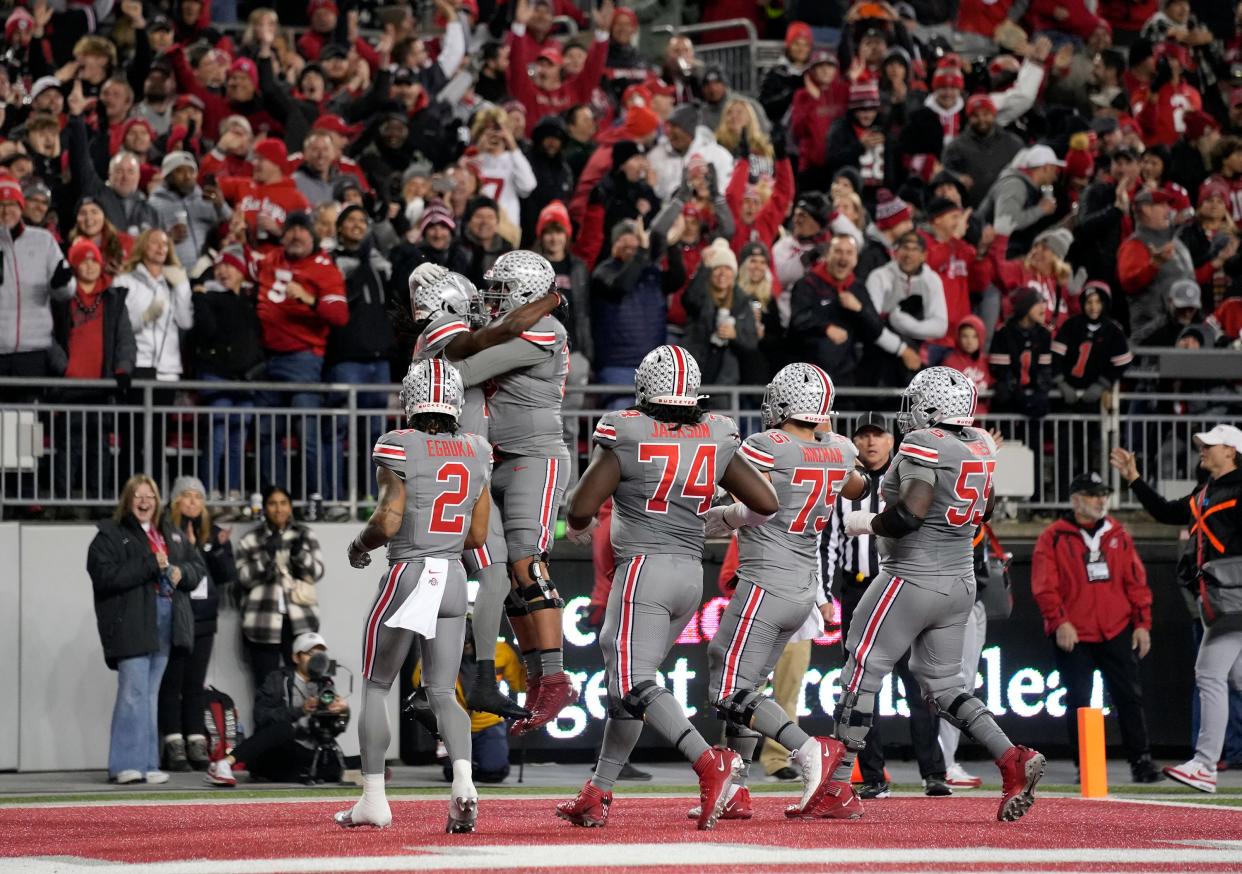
x: 837, y: 801
x: 556, y: 692
x: 737, y: 807
x: 716, y: 769
x: 589, y: 809
x: 1021, y: 768
x: 817, y: 759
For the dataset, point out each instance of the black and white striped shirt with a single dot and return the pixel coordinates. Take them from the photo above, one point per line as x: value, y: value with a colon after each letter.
x: 855, y: 556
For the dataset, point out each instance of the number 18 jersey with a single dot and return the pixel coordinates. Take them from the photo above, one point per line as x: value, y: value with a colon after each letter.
x: 781, y: 556
x: 668, y: 479
x: 959, y: 463
x: 444, y: 475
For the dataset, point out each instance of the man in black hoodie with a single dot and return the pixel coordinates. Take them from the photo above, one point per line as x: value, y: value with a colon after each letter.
x: 554, y: 179
x: 1021, y: 358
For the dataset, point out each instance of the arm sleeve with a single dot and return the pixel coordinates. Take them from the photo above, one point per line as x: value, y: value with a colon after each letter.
x: 112, y: 570
x: 1014, y: 103
x: 935, y: 321
x: 307, y: 565
x: 1044, y: 576
x: 592, y: 71
x: 1009, y: 200
x: 490, y: 363
x: 523, y: 175
x: 253, y: 564
x: 452, y: 47
x: 1169, y: 512
x: 1135, y: 268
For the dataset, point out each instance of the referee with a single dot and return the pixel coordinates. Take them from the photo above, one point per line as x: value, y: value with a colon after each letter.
x: 858, y: 562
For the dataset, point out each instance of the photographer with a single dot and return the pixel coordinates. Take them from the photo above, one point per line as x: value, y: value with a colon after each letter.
x: 278, y: 564
x: 284, y: 742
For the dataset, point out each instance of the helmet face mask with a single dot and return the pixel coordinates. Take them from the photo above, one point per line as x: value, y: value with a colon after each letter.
x: 937, y: 396
x: 799, y: 391
x: 668, y: 375
x: 432, y: 386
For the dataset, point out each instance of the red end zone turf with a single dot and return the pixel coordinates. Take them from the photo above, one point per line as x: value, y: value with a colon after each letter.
x: 903, y: 834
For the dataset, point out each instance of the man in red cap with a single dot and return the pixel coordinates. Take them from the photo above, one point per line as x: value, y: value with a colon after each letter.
x: 264, y: 200
x: 547, y: 92
x: 1151, y: 261
x: 776, y: 92
x: 323, y: 18
x: 982, y: 150
x: 241, y: 95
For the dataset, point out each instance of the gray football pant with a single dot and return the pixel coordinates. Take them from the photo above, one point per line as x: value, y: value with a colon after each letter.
x: 384, y: 650
x: 489, y: 564
x: 652, y: 599
x: 1218, y: 666
x: 754, y: 629
x: 896, y: 614
x: 528, y: 493
x: 976, y: 633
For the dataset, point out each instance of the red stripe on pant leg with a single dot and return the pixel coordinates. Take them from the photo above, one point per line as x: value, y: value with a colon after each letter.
x: 545, y: 506
x: 377, y: 613
x: 872, y: 631
x: 733, y: 655
x: 625, y: 625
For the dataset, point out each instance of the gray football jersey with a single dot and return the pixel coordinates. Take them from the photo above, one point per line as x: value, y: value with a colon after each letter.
x: 431, y: 344
x: 668, y: 479
x: 524, y: 405
x: 782, y: 556
x: 444, y: 475
x: 960, y: 465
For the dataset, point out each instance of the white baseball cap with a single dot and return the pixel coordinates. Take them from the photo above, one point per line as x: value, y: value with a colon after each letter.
x: 1040, y: 156
x: 308, y: 640
x: 1221, y: 435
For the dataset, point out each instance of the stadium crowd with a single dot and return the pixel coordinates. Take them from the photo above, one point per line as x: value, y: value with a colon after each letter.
x: 219, y: 192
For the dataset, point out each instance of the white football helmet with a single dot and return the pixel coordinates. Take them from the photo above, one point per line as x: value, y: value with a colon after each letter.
x: 517, y: 278
x: 937, y: 396
x: 432, y: 386
x: 453, y: 294
x: 668, y: 375
x: 798, y: 391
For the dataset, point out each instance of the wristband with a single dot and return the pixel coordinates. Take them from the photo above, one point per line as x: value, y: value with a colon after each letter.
x: 738, y: 514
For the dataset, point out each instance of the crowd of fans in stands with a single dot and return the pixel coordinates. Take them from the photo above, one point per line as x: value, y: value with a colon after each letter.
x: 997, y: 185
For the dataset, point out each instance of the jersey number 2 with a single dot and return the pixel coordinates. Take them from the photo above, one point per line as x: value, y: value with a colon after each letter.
x: 452, y: 498
x: 700, y: 481
x: 974, y: 482
x: 823, y: 492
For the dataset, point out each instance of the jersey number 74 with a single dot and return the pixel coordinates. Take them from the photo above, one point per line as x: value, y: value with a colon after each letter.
x: 700, y: 480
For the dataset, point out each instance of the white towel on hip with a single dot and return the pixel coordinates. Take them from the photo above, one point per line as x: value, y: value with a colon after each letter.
x: 419, y: 610
x: 812, y: 628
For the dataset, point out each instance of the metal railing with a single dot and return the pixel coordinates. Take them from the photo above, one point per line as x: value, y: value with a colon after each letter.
x: 736, y: 56
x: 75, y: 451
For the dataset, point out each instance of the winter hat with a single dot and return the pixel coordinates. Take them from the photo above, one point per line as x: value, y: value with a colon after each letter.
x: 554, y: 213
x: 83, y: 249
x: 184, y: 484
x: 890, y: 210
x: 754, y: 247
x: 938, y: 207
x: 948, y: 77
x: 477, y: 203
x: 948, y: 177
x: 173, y: 160
x: 854, y: 177
x: 640, y: 122
x: 298, y: 219
x: 685, y: 116
x: 816, y: 205
x: 1213, y: 187
x: 1079, y: 163
x: 436, y: 215
x: 234, y: 256
x: 1058, y: 240
x: 718, y: 254
x: 622, y: 151
x: 978, y: 102
x: 621, y: 228
x: 865, y: 94
x: 1197, y: 124
x: 246, y: 66
x: 345, y: 182
x: 798, y: 30
x: 11, y: 189
x: 1098, y: 288
x: 21, y: 19
x: 273, y: 150
x: 1023, y: 300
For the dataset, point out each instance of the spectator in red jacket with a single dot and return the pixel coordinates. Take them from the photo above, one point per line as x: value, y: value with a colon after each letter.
x: 821, y: 100
x: 962, y: 272
x: 267, y: 197
x: 548, y: 91
x: 301, y: 297
x: 759, y: 208
x: 1091, y: 588
x: 323, y: 19
x: 968, y: 356
x: 231, y: 154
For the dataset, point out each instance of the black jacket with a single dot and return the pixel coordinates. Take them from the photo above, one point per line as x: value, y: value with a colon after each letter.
x: 1021, y: 363
x: 1225, y: 526
x: 119, y: 348
x: 279, y: 700
x: 221, y: 573
x: 227, y: 335
x: 554, y: 179
x: 125, y: 578
x: 733, y: 362
x: 815, y: 304
x: 368, y: 335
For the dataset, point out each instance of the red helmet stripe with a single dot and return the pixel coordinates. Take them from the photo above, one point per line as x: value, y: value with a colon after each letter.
x: 826, y: 403
x: 679, y: 370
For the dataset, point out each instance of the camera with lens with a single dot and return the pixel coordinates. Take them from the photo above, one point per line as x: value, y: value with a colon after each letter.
x: 325, y: 724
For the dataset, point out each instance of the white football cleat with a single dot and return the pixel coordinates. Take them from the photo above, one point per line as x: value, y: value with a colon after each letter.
x: 957, y: 777
x: 1194, y: 774
x: 464, y: 803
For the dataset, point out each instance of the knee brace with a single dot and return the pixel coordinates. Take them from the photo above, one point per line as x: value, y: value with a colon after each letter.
x: 962, y: 713
x: 734, y: 730
x: 639, y: 698
x: 852, y: 724
x: 739, y: 708
x: 537, y: 592
x: 514, y: 605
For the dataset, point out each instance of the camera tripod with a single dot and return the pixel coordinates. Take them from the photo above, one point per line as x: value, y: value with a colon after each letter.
x: 324, y: 750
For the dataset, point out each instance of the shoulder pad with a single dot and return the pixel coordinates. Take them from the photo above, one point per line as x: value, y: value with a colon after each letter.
x: 921, y: 446
x: 757, y: 449
x: 606, y: 431
x: 545, y: 333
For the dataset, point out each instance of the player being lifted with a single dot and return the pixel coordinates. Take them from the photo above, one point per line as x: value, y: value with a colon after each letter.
x: 660, y: 461
x: 937, y: 492
x: 525, y: 386
x: 433, y: 501
x: 445, y: 305
x: 778, y: 576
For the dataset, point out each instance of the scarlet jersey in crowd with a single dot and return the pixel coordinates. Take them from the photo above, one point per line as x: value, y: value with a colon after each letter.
x: 221, y: 165
x: 961, y: 273
x: 275, y: 199
x: 811, y: 117
x: 1161, y: 117
x: 982, y: 16
x: 540, y: 102
x: 767, y: 223
x: 1228, y: 318
x: 290, y: 325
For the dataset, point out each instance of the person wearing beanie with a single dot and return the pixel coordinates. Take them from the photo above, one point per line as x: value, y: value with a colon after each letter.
x: 182, y: 704
x: 642, y: 128
x: 1045, y: 270
x: 1020, y: 358
x: 549, y: 91
x: 480, y: 237
x: 982, y: 150
x: 686, y: 139
x: 230, y: 156
x: 858, y: 140
x: 434, y: 242
x: 554, y: 178
x: 185, y: 211
x: 717, y: 95
x: 1089, y: 353
x: 267, y: 197
x: 1190, y: 157
x: 301, y: 297
x: 909, y: 296
x: 553, y: 232
x: 820, y: 101
x: 241, y: 95
x: 721, y: 332
x: 893, y: 218
x: 622, y: 194
x: 936, y: 124
x: 1212, y: 241
x: 1079, y: 166
x: 781, y: 82
x: 811, y: 227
